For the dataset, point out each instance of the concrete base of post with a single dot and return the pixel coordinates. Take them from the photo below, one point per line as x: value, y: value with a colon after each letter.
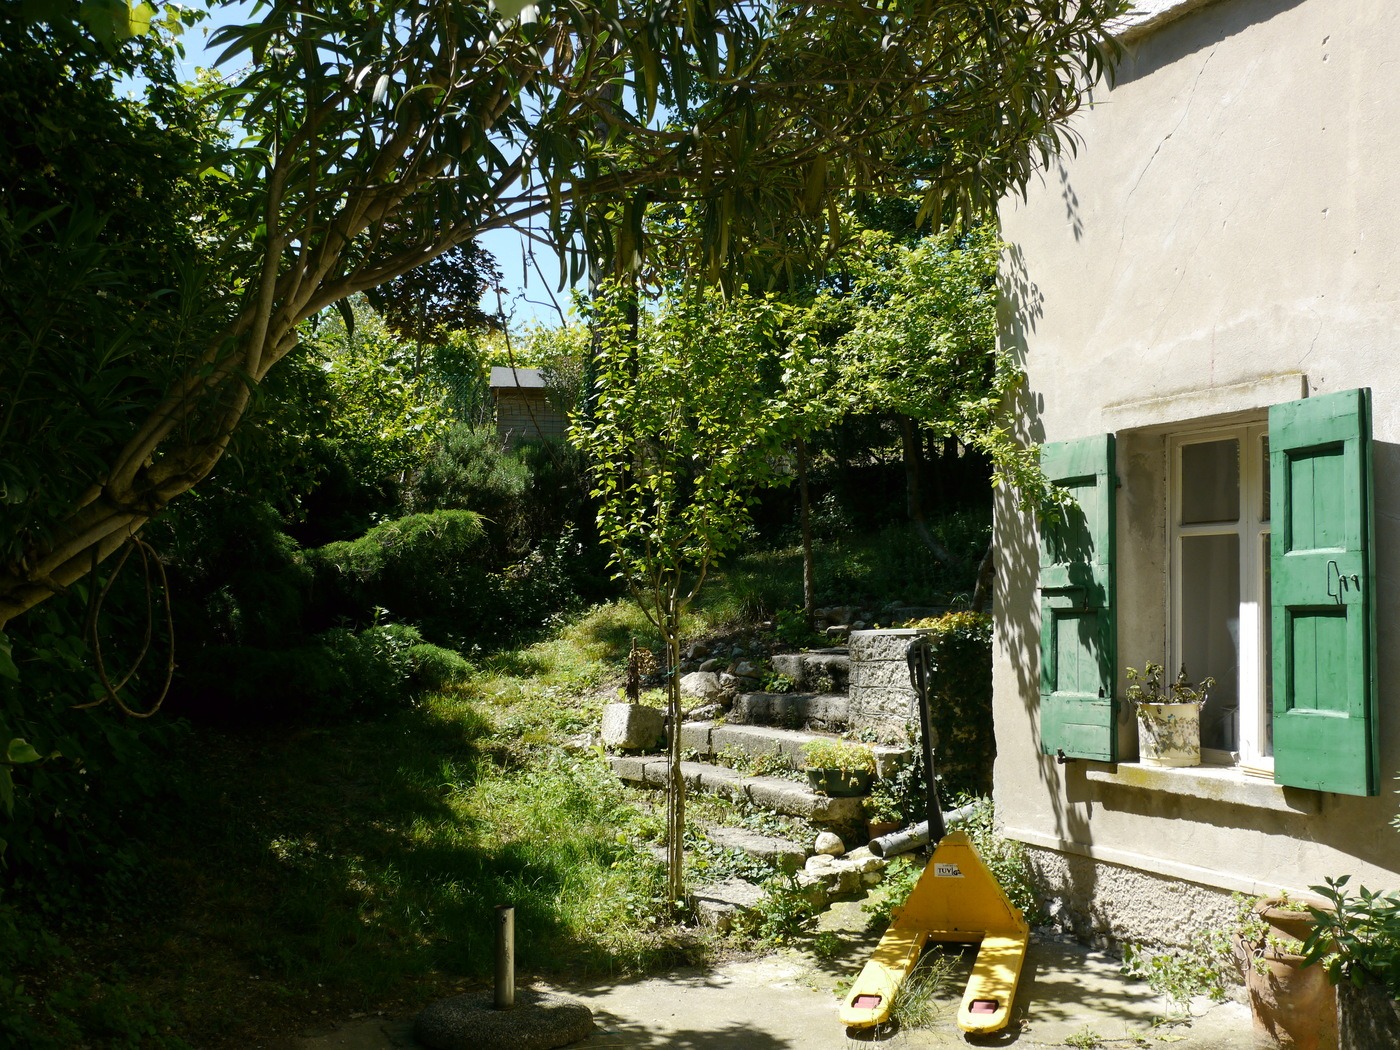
x: 538, y: 1021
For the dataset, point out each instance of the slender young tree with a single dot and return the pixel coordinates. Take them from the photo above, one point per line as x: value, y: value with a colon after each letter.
x: 683, y: 429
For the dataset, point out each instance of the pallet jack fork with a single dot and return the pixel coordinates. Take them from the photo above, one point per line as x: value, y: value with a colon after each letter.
x: 956, y: 900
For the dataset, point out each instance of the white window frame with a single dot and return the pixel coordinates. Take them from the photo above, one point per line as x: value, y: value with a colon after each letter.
x: 1253, y: 737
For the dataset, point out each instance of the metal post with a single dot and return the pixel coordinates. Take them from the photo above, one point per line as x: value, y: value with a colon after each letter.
x: 505, y: 956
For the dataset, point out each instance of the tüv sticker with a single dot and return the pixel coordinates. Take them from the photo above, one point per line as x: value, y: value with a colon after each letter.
x: 947, y: 871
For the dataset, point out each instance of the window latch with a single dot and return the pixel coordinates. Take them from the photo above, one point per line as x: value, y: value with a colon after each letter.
x: 1344, y: 582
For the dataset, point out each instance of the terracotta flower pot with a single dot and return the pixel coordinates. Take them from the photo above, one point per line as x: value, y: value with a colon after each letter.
x: 1294, y: 1006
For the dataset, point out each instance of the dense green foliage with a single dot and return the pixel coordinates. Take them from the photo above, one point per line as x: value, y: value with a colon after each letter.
x: 367, y: 149
x: 961, y: 702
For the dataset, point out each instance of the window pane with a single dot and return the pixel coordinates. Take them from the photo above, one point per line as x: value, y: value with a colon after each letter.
x: 1210, y: 482
x: 1267, y: 645
x: 1264, y: 459
x: 1210, y: 631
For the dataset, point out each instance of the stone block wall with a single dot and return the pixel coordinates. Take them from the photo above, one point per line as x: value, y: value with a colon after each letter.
x: 881, y: 698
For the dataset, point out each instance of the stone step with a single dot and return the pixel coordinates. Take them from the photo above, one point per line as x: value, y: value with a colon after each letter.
x: 715, y: 740
x: 720, y: 742
x: 772, y: 793
x: 830, y: 711
x: 816, y: 670
x: 784, y: 854
x: 822, y: 879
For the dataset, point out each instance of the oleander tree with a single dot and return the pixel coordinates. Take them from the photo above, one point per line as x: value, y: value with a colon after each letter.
x: 340, y: 145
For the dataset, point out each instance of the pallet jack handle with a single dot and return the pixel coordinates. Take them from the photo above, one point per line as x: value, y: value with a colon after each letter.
x: 920, y: 658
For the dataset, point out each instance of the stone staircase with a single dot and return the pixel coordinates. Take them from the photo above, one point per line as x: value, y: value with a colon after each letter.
x: 753, y: 753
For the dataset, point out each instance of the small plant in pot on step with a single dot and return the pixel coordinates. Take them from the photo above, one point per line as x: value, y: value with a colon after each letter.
x: 839, y: 768
x: 1168, y: 717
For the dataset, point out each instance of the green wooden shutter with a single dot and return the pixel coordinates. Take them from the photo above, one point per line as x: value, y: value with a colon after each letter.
x: 1078, y: 647
x: 1322, y: 562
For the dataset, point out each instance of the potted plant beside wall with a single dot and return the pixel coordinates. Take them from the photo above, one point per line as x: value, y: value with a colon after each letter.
x: 1357, y: 942
x: 1293, y: 1005
x: 838, y: 768
x: 1168, y: 717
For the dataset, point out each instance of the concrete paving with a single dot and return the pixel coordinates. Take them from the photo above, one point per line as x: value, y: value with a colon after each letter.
x: 1068, y: 997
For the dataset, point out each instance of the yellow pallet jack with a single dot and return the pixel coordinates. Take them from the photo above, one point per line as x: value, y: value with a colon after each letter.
x: 956, y: 900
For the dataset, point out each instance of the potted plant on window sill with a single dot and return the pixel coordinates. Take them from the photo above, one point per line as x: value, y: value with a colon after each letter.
x: 1168, y: 717
x: 838, y: 768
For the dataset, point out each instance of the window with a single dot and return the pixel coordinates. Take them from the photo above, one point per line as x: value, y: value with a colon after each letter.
x: 1272, y: 572
x: 1219, y: 558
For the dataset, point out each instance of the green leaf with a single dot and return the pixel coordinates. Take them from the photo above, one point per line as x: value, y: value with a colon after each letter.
x: 20, y: 752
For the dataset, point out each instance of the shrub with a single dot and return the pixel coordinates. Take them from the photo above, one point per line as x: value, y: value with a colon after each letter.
x: 961, y: 701
x: 470, y: 469
x: 824, y: 753
x: 68, y: 834
x: 424, y: 568
x: 336, y: 674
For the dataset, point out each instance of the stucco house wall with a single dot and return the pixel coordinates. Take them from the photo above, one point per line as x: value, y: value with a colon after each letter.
x: 1224, y: 239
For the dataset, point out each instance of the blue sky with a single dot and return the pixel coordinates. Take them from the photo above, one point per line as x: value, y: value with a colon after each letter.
x: 526, y: 297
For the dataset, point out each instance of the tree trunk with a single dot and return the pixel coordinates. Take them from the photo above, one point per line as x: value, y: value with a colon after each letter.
x: 809, y: 601
x: 913, y: 493
x: 675, y: 783
x: 986, y: 578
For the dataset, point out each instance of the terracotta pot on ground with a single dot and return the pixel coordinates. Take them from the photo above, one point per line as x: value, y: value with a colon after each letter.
x: 1294, y: 1006
x: 876, y: 828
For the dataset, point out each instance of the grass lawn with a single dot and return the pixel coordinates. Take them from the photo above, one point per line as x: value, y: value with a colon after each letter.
x: 310, y: 873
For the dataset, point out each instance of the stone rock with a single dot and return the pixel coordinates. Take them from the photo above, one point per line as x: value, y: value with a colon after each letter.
x: 538, y: 1021
x: 714, y: 663
x: 863, y: 860
x: 848, y: 880
x: 819, y: 863
x: 830, y: 844
x: 702, y: 684
x: 745, y: 669
x: 633, y: 727
x: 890, y: 759
x: 788, y: 856
x: 719, y: 904
x: 813, y: 889
x: 705, y: 713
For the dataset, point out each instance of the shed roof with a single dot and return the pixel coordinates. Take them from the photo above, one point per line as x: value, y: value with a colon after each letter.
x: 523, y: 378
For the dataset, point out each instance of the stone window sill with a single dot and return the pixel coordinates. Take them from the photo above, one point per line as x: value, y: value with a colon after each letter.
x: 1229, y: 785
